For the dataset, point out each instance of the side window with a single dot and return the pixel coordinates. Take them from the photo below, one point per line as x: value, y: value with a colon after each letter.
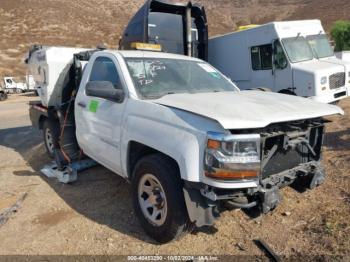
x: 9, y: 81
x: 280, y: 59
x: 104, y: 69
x: 261, y: 57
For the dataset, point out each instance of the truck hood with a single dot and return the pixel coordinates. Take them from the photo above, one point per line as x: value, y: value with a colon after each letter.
x: 248, y: 109
x: 337, y: 61
x: 322, y: 67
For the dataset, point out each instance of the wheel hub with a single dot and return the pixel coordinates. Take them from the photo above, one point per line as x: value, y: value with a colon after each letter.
x: 152, y: 200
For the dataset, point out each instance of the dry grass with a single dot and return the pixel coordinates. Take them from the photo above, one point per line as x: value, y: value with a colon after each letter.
x: 89, y: 23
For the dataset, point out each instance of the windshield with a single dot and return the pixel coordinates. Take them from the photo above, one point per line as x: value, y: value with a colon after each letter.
x: 156, y: 77
x: 320, y: 46
x: 297, y: 49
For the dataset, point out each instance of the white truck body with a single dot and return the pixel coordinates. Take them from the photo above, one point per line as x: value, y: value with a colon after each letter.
x: 30, y: 83
x: 12, y: 85
x: 135, y: 135
x: 249, y: 58
x: 50, y: 69
x: 344, y: 55
x: 105, y: 135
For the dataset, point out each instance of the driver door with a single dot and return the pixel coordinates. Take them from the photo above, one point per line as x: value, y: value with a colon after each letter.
x: 98, y: 120
x: 283, y: 75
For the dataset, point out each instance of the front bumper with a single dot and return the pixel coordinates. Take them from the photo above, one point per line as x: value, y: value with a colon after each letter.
x: 333, y: 96
x: 203, y: 202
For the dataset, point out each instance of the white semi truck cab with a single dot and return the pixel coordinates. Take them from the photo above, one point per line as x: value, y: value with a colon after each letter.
x: 184, y: 136
x: 292, y: 57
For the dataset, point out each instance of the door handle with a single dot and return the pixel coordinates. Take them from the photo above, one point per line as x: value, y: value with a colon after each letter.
x: 81, y: 104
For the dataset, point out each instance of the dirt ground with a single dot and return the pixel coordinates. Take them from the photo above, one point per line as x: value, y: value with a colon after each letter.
x: 94, y: 215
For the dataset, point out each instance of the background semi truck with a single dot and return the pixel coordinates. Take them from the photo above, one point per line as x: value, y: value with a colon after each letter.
x: 173, y: 126
x: 288, y: 57
x: 179, y: 28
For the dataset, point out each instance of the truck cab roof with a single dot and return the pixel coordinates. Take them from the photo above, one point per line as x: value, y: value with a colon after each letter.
x: 149, y: 54
x: 285, y: 29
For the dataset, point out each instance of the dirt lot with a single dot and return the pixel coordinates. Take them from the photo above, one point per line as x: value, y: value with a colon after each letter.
x: 94, y: 215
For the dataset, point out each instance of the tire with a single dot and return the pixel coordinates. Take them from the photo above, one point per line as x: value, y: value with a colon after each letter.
x: 50, y: 134
x: 335, y: 103
x: 264, y: 89
x: 167, y: 197
x: 18, y: 91
x: 287, y: 92
x: 3, y: 96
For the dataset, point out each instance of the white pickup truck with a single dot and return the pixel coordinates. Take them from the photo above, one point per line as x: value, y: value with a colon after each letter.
x: 185, y: 136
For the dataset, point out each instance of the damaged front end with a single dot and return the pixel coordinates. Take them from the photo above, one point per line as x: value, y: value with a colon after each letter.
x: 290, y: 154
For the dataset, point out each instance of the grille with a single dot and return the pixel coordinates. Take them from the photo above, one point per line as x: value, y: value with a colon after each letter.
x: 284, y: 159
x: 337, y: 80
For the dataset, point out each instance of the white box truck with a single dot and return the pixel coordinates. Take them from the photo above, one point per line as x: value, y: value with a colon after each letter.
x: 12, y: 86
x: 292, y: 57
x: 185, y: 137
x: 344, y: 55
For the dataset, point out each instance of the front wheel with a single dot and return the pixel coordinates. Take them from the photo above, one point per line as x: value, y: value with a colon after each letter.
x: 158, y: 198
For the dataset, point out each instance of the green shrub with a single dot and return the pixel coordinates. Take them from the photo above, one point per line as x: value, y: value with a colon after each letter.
x: 341, y: 35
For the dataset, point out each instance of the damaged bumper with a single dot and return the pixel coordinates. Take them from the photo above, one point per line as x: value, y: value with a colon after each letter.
x: 203, y: 202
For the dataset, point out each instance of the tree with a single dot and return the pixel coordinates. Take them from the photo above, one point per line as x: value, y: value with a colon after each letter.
x: 341, y: 34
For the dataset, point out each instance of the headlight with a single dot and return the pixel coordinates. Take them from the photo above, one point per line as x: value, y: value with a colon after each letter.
x: 323, y: 80
x: 231, y: 157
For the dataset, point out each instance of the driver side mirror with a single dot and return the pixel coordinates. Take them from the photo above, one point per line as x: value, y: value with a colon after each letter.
x: 106, y: 90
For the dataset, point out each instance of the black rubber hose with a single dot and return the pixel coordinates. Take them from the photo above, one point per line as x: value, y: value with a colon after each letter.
x: 68, y: 140
x: 242, y: 205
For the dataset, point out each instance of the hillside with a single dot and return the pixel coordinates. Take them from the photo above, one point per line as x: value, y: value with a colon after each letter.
x: 88, y: 23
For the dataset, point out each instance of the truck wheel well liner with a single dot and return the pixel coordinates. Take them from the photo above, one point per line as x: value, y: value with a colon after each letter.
x: 136, y: 151
x: 42, y: 119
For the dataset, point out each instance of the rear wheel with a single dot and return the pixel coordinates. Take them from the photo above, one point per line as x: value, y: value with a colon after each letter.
x: 158, y: 198
x: 51, y: 134
x: 18, y: 91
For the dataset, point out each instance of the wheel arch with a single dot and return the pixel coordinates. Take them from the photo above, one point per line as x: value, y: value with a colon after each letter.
x: 137, y: 150
x: 41, y: 121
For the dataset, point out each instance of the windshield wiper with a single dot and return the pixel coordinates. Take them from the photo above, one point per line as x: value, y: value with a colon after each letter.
x: 159, y: 96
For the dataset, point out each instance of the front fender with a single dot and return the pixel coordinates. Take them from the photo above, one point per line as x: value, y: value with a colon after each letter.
x: 175, y: 133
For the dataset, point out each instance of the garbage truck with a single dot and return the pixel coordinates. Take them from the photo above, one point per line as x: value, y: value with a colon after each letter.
x: 290, y: 57
x: 184, y: 135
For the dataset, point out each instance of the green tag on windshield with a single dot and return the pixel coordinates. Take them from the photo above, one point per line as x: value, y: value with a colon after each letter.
x: 93, y: 106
